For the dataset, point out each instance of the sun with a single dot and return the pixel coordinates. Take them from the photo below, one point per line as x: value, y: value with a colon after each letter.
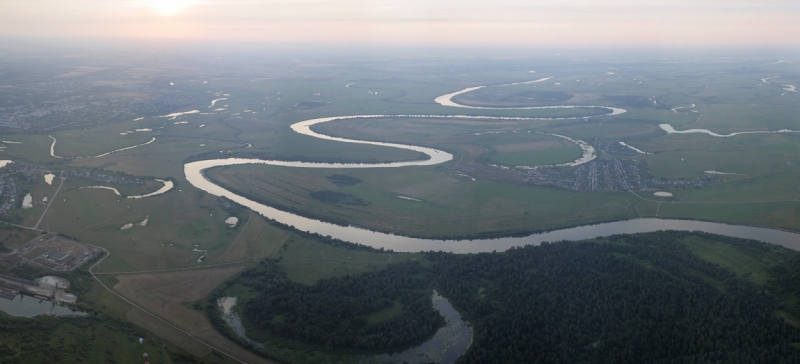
x: 168, y: 7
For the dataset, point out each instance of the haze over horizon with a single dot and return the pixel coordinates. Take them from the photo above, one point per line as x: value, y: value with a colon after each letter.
x: 571, y: 23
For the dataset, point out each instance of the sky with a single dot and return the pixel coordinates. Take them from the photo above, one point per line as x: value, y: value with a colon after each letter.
x: 529, y: 23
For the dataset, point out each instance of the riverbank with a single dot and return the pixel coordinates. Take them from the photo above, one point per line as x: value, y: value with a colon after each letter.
x: 511, y: 305
x: 506, y: 240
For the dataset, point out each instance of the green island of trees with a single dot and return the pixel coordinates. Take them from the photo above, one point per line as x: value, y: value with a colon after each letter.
x: 344, y: 312
x: 343, y: 180
x: 656, y: 297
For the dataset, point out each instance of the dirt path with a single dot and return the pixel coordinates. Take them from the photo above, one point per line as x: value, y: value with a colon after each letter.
x: 164, y: 295
x: 61, y: 177
x: 20, y: 226
x: 236, y: 238
x: 178, y: 269
x: 210, y: 339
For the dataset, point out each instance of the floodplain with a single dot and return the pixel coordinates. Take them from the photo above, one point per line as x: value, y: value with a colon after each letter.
x: 161, y: 258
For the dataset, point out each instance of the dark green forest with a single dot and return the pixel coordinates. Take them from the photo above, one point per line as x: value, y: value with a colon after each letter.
x: 641, y: 298
x: 622, y: 299
x: 91, y: 339
x: 334, y: 313
x: 342, y: 180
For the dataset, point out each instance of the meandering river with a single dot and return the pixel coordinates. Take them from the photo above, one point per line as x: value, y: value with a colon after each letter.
x: 194, y: 174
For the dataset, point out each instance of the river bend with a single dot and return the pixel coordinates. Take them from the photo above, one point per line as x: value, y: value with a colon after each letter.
x: 194, y: 174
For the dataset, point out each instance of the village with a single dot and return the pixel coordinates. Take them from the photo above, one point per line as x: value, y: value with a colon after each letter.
x: 604, y: 173
x: 66, y: 101
x: 11, y: 193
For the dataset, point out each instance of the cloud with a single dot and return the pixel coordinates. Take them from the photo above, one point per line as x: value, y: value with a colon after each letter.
x: 464, y: 22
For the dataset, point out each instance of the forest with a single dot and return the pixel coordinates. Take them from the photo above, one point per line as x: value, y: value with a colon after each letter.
x: 333, y: 197
x: 639, y: 298
x: 621, y: 299
x: 344, y: 312
x: 342, y: 180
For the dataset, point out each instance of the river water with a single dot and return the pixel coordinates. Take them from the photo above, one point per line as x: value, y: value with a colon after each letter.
x: 406, y: 244
x: 446, y: 345
x: 194, y: 174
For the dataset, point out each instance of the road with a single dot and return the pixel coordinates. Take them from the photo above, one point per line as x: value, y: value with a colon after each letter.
x: 212, y: 347
x: 61, y: 177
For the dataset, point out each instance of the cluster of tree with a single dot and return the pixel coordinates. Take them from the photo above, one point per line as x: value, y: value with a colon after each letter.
x: 342, y: 180
x: 28, y: 271
x: 642, y: 299
x: 214, y: 316
x: 334, y: 312
x: 358, y: 201
x: 786, y: 281
x: 232, y: 208
x: 80, y: 280
x: 279, y: 206
x: 326, y: 239
x: 89, y: 339
x: 333, y: 197
x: 623, y: 299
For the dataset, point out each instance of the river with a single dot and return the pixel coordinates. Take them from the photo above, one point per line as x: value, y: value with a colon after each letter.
x: 444, y: 347
x: 406, y: 244
x: 194, y: 174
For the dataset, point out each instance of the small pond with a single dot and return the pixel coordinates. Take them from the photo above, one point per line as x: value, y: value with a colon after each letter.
x: 27, y: 306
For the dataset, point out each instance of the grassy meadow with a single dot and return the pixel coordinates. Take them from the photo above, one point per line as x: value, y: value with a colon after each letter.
x: 447, y: 206
x: 186, y: 227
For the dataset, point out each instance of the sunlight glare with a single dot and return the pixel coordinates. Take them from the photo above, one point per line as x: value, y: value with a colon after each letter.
x: 168, y: 7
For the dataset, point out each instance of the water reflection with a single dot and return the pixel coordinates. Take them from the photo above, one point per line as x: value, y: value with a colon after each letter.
x: 194, y: 174
x: 26, y: 306
x: 232, y: 319
x: 446, y: 345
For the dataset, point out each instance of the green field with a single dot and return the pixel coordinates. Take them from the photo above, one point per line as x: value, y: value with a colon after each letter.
x: 474, y: 195
x: 532, y: 150
x: 94, y: 340
x: 447, y: 206
x: 487, y: 288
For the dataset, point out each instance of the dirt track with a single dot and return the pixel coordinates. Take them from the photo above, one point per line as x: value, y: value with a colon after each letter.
x: 163, y: 295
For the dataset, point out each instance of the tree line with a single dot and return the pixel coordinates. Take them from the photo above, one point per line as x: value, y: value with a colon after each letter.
x: 622, y: 299
x: 335, y: 312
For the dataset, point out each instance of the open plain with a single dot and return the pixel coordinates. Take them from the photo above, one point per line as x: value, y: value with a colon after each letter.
x: 580, y: 146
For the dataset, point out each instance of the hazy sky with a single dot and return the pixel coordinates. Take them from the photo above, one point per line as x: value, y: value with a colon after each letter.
x: 657, y: 23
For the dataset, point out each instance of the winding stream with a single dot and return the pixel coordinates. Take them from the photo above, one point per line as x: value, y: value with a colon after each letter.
x: 166, y: 187
x: 447, y: 100
x: 637, y: 150
x: 670, y: 130
x: 116, y: 191
x: 461, y: 340
x: 194, y: 174
x: 446, y: 345
x: 53, y: 147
